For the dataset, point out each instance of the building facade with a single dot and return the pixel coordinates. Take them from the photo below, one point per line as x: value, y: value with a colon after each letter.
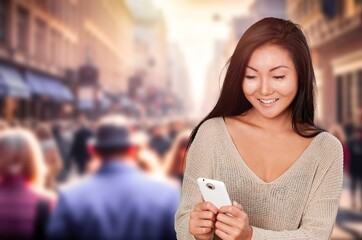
x: 334, y: 30
x: 179, y: 82
x: 45, y: 42
x: 149, y: 85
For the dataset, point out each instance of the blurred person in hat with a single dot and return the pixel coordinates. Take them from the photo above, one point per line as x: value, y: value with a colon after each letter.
x: 119, y: 201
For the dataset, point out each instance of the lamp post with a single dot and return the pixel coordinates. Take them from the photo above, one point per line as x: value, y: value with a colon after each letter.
x: 87, y: 90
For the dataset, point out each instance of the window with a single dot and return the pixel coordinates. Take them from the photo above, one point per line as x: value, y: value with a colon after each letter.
x: 345, y: 96
x: 40, y: 41
x: 53, y: 45
x: 340, y: 8
x: 348, y: 96
x: 22, y: 28
x: 339, y: 99
x: 3, y: 21
x: 359, y: 88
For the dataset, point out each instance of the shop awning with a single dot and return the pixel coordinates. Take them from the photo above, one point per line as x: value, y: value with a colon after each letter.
x: 41, y: 85
x: 64, y: 91
x: 35, y: 83
x: 86, y: 104
x: 12, y: 83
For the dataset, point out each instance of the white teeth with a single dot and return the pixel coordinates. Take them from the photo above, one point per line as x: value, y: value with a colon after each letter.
x: 268, y: 101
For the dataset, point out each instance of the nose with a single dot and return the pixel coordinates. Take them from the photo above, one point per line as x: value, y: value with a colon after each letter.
x: 265, y: 87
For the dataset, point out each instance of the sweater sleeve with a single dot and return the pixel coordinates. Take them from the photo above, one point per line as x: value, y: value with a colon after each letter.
x: 199, y: 163
x: 320, y: 212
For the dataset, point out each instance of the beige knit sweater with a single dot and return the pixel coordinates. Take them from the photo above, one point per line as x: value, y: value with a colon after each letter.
x: 301, y: 204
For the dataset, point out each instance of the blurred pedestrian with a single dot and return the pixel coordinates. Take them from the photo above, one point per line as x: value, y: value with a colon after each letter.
x: 51, y: 155
x: 355, y: 170
x: 349, y: 128
x: 79, y: 150
x: 146, y: 158
x: 159, y: 141
x: 24, y: 204
x: 174, y: 127
x: 119, y: 201
x: 174, y: 164
x: 63, y: 148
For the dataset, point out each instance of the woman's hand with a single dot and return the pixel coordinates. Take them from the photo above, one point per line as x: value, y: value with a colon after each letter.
x: 202, y: 221
x: 235, y: 227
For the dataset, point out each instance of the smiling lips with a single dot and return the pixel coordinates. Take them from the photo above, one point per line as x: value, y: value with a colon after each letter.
x: 268, y: 101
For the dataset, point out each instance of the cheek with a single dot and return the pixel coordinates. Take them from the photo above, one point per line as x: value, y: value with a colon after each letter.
x: 288, y: 88
x: 249, y: 87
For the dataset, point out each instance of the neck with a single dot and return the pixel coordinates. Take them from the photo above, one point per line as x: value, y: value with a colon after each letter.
x: 121, y: 158
x: 282, y: 123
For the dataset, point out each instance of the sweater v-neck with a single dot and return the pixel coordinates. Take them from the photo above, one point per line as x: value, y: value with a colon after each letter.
x: 235, y: 152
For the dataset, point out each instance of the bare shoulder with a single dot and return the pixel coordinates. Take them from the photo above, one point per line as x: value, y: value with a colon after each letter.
x: 239, y: 123
x: 236, y: 121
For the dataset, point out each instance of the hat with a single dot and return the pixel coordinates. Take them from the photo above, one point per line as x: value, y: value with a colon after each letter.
x: 112, y: 136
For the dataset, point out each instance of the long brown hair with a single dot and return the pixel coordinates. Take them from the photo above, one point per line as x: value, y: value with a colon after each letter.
x: 20, y: 151
x: 288, y: 36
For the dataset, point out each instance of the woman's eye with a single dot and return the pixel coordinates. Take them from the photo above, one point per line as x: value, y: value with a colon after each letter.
x: 250, y: 77
x: 279, y: 77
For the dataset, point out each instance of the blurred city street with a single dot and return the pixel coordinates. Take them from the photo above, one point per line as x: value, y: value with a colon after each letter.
x: 349, y: 221
x: 160, y: 64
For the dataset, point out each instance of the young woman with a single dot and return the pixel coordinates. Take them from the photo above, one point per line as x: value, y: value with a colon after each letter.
x: 283, y: 174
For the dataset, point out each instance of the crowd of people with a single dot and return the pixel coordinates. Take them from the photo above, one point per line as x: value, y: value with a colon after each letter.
x: 57, y: 181
x: 111, y: 179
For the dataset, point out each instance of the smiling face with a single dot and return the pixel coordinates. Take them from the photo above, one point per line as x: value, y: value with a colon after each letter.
x: 270, y: 83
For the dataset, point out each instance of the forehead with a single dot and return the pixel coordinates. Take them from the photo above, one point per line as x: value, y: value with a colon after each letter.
x: 270, y: 56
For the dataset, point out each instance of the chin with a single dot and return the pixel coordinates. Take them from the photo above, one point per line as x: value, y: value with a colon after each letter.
x: 270, y: 115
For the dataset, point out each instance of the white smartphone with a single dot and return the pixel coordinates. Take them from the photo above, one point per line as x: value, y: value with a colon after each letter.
x: 214, y: 191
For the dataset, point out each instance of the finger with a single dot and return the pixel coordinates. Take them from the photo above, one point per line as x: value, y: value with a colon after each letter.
x: 202, y: 224
x: 207, y: 215
x: 230, y: 230
x: 238, y: 222
x: 201, y: 231
x: 203, y: 236
x: 235, y: 211
x: 236, y: 204
x: 206, y: 206
x: 222, y: 234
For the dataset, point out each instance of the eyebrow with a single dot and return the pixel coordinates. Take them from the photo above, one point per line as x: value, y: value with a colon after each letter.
x: 275, y: 68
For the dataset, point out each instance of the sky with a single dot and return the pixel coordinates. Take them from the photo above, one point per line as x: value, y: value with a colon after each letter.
x: 195, y: 25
